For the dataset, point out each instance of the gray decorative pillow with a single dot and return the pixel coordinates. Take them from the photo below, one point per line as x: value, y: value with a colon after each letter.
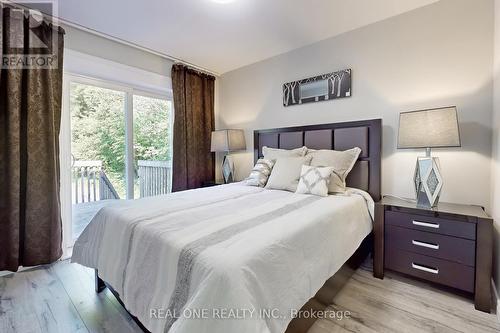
x: 286, y: 173
x: 275, y: 153
x: 314, y: 180
x: 342, y: 163
x: 260, y: 173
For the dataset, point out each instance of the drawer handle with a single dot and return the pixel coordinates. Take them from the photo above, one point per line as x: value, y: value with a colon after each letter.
x: 424, y: 268
x: 424, y: 244
x: 426, y: 224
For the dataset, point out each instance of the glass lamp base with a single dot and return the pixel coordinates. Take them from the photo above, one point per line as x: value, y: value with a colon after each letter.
x: 428, y: 181
x: 228, y: 169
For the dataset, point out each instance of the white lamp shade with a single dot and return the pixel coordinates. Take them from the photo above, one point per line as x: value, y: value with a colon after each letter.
x: 228, y: 140
x: 429, y: 128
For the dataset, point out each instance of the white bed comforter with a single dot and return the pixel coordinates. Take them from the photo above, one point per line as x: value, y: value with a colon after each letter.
x: 224, y: 259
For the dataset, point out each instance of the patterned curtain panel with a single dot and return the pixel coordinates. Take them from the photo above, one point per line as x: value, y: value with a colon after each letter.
x: 30, y: 112
x: 193, y: 163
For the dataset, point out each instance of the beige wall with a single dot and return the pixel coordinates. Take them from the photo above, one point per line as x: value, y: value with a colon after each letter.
x: 438, y: 55
x: 496, y: 145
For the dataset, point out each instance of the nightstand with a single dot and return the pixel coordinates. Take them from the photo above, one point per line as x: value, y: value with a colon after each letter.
x: 449, y: 245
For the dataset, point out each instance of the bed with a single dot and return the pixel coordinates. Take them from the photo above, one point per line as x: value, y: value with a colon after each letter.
x: 237, y: 258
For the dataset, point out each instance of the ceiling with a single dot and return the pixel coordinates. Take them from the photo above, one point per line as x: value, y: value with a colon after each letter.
x: 222, y: 35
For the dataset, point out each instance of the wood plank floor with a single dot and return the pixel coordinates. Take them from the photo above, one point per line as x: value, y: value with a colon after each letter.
x: 61, y: 298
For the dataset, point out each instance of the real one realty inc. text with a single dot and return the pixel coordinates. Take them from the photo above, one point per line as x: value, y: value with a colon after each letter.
x: 231, y: 314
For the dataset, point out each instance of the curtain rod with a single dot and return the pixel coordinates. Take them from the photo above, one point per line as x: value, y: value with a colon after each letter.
x: 119, y: 40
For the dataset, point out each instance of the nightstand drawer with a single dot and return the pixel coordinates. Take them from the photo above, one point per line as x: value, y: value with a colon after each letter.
x: 455, y: 249
x: 431, y: 224
x: 432, y: 269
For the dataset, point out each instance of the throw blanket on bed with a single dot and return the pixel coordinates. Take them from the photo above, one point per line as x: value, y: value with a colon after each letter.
x: 229, y: 258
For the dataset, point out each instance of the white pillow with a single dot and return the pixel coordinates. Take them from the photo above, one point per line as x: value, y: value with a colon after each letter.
x: 286, y: 173
x: 342, y: 163
x: 275, y: 153
x: 260, y: 173
x: 314, y: 180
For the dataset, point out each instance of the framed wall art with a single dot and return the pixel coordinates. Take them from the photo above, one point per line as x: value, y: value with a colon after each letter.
x: 318, y: 88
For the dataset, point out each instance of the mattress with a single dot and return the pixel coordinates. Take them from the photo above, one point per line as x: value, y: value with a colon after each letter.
x: 229, y: 258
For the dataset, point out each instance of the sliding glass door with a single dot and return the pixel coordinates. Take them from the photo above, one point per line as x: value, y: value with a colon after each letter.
x: 119, y: 147
x: 97, y: 150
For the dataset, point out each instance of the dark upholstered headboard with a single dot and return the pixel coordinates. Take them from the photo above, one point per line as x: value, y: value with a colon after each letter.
x: 365, y: 134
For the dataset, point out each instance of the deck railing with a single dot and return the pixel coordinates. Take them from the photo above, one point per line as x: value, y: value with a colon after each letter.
x: 90, y: 182
x: 106, y: 188
x: 154, y: 177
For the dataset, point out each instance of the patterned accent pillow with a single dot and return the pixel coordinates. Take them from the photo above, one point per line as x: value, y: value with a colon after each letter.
x: 286, y: 173
x: 314, y: 180
x: 342, y: 163
x: 260, y: 173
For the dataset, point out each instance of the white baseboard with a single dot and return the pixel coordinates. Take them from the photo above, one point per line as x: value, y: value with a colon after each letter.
x: 496, y: 299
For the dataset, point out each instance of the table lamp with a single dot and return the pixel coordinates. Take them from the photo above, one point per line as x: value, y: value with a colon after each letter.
x: 227, y: 141
x: 433, y: 128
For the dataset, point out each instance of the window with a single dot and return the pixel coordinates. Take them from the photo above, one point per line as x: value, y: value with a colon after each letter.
x: 97, y: 143
x: 100, y: 147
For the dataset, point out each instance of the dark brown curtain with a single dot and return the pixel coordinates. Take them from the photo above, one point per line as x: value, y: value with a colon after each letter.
x: 193, y: 163
x: 30, y: 113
